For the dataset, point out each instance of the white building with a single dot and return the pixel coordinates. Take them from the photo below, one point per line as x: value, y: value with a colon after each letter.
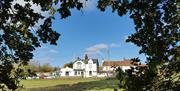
x: 82, y: 67
x: 90, y: 68
x: 109, y: 66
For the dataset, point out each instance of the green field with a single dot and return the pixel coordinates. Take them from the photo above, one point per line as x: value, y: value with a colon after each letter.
x: 71, y: 84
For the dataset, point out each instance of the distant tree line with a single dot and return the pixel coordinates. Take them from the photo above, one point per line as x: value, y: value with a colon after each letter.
x: 37, y: 67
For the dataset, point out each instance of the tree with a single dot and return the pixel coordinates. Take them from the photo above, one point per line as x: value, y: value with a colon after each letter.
x: 70, y: 64
x: 157, y: 33
x: 33, y: 66
x: 46, y: 68
x: 19, y: 37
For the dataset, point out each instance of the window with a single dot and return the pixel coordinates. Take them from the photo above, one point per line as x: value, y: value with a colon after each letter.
x: 82, y: 73
x: 79, y: 65
x: 90, y: 65
x: 75, y: 73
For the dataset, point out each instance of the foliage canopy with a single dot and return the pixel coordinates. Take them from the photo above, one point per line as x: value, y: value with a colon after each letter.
x: 157, y: 34
x: 157, y: 26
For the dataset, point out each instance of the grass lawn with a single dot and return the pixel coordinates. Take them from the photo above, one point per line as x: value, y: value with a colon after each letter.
x: 53, y: 82
x: 71, y: 84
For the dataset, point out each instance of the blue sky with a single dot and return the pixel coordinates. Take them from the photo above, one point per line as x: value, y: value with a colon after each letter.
x: 89, y: 32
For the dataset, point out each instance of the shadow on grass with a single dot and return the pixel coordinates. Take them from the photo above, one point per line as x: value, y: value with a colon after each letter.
x: 109, y: 83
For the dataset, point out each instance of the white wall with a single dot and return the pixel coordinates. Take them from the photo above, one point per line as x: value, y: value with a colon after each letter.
x: 67, y: 69
x: 86, y: 69
x: 107, y: 68
x: 125, y: 68
x: 90, y: 66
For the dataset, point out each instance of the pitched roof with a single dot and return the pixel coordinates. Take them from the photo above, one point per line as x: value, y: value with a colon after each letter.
x: 78, y: 59
x: 143, y: 65
x: 94, y: 61
x: 125, y: 62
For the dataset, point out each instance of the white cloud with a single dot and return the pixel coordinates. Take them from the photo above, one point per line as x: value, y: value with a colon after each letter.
x: 100, y: 49
x: 92, y: 52
x: 95, y: 54
x: 97, y: 48
x: 53, y: 51
x: 114, y: 45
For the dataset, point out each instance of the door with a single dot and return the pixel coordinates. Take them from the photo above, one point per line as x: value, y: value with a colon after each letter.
x: 67, y: 73
x: 90, y: 73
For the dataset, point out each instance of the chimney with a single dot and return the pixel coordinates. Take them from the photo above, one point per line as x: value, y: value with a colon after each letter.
x: 86, y: 57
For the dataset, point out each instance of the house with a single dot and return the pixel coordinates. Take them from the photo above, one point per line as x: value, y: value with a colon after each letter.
x: 88, y: 67
x: 109, y: 66
x: 82, y: 68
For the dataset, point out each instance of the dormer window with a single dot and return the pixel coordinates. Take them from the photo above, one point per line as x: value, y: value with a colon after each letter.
x: 79, y: 65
